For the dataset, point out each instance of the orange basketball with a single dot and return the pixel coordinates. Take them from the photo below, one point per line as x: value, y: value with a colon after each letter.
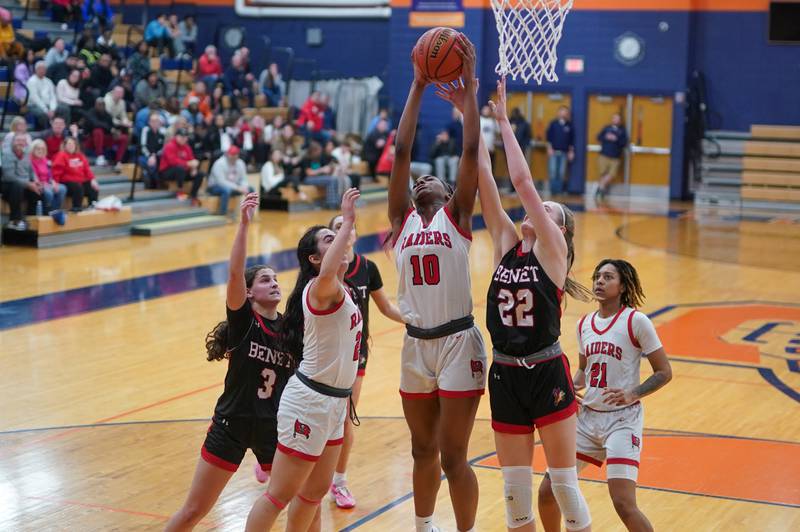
x: 435, y: 56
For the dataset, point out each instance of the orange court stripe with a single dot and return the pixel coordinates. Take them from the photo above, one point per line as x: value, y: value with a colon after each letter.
x: 754, y: 470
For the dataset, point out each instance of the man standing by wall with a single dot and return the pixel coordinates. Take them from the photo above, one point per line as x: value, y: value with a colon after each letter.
x: 560, y: 149
x: 613, y: 139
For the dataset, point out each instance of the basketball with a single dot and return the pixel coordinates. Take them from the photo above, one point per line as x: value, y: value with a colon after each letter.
x: 435, y: 56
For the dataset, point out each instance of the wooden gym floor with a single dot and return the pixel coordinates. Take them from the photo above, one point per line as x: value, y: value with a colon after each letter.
x: 106, y: 393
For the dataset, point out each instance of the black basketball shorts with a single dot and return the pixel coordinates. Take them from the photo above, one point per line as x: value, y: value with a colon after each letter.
x: 227, y: 441
x: 523, y: 398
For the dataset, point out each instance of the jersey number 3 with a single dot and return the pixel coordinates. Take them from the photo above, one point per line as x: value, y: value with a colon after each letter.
x: 516, y: 308
x: 269, y: 384
x: 427, y: 268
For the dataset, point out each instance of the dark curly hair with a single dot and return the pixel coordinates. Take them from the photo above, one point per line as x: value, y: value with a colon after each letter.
x: 217, y: 338
x: 632, y: 294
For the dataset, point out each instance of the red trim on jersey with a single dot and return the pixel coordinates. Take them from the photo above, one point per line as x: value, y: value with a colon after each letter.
x: 266, y: 467
x: 634, y: 341
x: 589, y: 459
x: 337, y: 441
x: 355, y: 268
x: 424, y: 395
x: 461, y: 231
x: 508, y: 428
x: 567, y: 372
x: 624, y: 461
x: 608, y: 411
x: 555, y: 417
x: 306, y: 500
x: 400, y: 229
x: 361, y: 372
x: 293, y: 452
x: 323, y: 312
x: 521, y: 253
x: 278, y: 504
x: 217, y: 461
x: 594, y: 327
x: 461, y: 393
x: 263, y: 326
x: 580, y: 334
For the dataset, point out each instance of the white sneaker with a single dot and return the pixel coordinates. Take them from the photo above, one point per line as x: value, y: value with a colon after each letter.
x: 101, y: 161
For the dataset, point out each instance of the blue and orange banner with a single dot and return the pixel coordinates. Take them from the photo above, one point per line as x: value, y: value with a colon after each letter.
x: 431, y: 13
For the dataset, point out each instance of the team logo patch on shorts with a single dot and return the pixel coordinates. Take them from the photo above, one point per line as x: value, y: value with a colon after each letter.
x: 301, y: 429
x: 558, y: 396
x: 476, y: 367
x: 634, y: 441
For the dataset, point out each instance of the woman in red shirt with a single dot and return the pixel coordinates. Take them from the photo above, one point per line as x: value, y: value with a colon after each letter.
x: 71, y: 168
x: 179, y: 163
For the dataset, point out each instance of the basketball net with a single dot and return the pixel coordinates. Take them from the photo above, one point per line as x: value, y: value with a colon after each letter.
x: 529, y: 31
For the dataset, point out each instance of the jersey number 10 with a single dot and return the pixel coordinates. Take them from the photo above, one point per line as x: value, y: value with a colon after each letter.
x: 426, y: 268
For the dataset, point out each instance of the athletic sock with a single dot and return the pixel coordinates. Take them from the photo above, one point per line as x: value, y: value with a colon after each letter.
x: 424, y: 524
x: 339, y: 479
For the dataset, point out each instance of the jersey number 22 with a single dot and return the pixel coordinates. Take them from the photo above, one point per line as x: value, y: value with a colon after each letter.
x: 516, y: 308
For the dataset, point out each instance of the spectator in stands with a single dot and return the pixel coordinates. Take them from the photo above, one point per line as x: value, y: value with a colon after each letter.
x: 197, y: 140
x: 318, y: 170
x: 139, y: 62
x: 54, y: 137
x: 209, y: 67
x: 328, y: 117
x: 274, y: 177
x: 272, y: 85
x: 312, y: 116
x: 217, y: 101
x: 386, y: 161
x: 228, y: 177
x: 64, y: 11
x: 236, y: 82
x: 383, y: 114
x: 273, y: 129
x: 489, y: 130
x: 58, y: 71
x: 174, y: 118
x: 56, y: 54
x: 6, y: 33
x: 290, y: 144
x: 151, y: 144
x: 97, y: 11
x: 125, y: 82
x: 613, y: 139
x: 444, y: 157
x: 203, y: 101
x: 157, y: 35
x: 560, y: 149
x: 99, y: 80
x: 251, y: 140
x: 52, y: 192
x: 42, y: 102
x: 343, y: 156
x: 18, y: 182
x: 192, y: 112
x: 106, y: 44
x: 18, y: 128
x: 217, y: 140
x: 374, y: 144
x: 69, y: 97
x: 71, y: 168
x: 149, y: 89
x: 522, y: 130
x: 104, y: 135
x: 115, y: 105
x: 22, y: 73
x: 178, y: 163
x: 143, y: 115
x: 188, y: 29
x: 456, y: 130
x: 89, y: 52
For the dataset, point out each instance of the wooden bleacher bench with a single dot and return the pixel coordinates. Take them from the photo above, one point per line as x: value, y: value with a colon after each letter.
x: 267, y: 113
x: 81, y: 221
x: 771, y: 168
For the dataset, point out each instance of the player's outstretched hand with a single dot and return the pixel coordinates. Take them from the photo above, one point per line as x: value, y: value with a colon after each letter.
x: 619, y: 397
x: 248, y: 207
x: 454, y: 93
x: 499, y: 108
x: 420, y: 79
x: 349, y: 199
x: 466, y: 51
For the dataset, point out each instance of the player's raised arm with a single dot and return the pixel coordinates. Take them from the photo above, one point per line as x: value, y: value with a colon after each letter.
x: 463, y: 201
x: 498, y: 223
x: 327, y: 289
x: 237, y: 289
x: 399, y: 196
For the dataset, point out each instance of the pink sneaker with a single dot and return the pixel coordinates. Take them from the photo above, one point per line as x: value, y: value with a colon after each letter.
x: 261, y: 475
x: 344, y: 499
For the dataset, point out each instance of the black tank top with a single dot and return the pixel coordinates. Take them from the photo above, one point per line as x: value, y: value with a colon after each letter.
x: 523, y: 310
x: 258, y: 368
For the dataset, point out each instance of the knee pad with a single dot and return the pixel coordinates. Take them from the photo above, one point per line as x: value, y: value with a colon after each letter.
x: 518, y: 491
x: 564, y: 482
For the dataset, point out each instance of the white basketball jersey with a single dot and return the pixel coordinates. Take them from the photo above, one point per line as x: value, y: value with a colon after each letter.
x: 433, y: 263
x: 613, y: 348
x: 331, y: 341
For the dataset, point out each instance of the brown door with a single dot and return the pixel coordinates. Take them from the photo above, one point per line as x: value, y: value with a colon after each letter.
x: 651, y: 139
x: 601, y: 108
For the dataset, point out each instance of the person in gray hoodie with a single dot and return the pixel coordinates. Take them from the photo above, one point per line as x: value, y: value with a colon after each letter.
x: 18, y: 182
x: 228, y: 177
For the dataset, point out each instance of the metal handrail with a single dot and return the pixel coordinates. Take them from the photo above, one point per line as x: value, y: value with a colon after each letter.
x: 135, y: 173
x: 9, y: 82
x: 27, y: 7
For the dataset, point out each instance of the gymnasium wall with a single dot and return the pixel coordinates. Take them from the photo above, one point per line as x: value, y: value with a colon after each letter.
x: 749, y: 81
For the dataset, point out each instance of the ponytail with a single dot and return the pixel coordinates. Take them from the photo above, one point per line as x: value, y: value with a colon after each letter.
x: 216, y: 341
x: 571, y: 286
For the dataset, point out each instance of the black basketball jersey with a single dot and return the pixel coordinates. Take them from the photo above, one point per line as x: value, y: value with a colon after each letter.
x: 258, y: 368
x: 364, y: 275
x: 523, y: 310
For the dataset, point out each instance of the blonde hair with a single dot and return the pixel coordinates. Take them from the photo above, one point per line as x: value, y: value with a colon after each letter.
x: 38, y: 143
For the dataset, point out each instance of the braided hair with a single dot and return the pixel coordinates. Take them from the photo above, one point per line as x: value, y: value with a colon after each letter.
x: 632, y: 294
